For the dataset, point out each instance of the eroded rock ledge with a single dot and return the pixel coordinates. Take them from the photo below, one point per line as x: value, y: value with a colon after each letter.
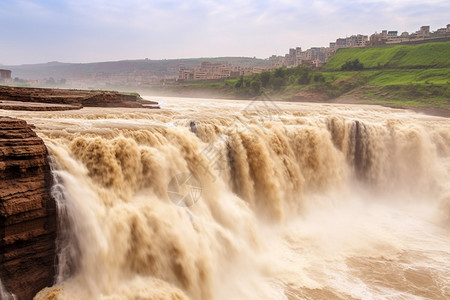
x: 27, y: 211
x: 20, y: 98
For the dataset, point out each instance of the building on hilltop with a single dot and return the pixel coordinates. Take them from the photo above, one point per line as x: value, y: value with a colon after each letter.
x: 290, y: 58
x: 423, y: 31
x: 392, y: 35
x: 341, y: 43
x: 313, y: 57
x: 441, y: 32
x: 276, y: 61
x: 316, y: 57
x: 422, y: 35
x: 377, y: 39
x: 358, y: 40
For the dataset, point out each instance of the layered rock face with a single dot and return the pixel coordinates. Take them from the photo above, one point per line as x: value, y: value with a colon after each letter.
x: 27, y: 211
x: 63, y: 99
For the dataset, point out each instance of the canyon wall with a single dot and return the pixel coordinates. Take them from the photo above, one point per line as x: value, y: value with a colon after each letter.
x: 27, y: 211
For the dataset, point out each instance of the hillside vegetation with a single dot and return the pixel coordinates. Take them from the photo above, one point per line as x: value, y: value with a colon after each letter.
x: 428, y: 55
x: 402, y: 75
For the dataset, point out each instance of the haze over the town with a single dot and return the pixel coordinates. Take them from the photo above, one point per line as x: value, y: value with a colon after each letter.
x: 39, y: 31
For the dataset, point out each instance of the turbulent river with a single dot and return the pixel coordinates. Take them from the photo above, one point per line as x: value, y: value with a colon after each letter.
x: 229, y: 200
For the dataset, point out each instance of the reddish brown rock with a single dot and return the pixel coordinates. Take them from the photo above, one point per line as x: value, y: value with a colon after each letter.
x: 68, y: 99
x: 27, y: 211
x: 35, y: 106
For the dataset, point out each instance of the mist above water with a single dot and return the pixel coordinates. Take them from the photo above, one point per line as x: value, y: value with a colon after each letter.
x: 296, y: 201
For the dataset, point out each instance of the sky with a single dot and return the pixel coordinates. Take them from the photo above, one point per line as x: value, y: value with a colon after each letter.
x: 80, y: 31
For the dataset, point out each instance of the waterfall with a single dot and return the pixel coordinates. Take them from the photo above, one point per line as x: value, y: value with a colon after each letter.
x: 231, y: 204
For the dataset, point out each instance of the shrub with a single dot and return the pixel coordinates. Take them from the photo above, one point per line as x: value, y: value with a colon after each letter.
x: 255, y: 86
x: 318, y: 78
x: 265, y: 78
x: 239, y: 83
x: 277, y: 83
x: 354, y: 65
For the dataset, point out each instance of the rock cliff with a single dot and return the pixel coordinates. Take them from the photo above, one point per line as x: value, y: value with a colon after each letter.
x: 63, y: 99
x: 27, y: 211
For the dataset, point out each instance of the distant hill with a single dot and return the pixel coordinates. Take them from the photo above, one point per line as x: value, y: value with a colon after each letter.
x: 427, y: 55
x: 158, y: 68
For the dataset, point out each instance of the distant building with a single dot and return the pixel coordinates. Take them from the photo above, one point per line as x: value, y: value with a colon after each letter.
x: 186, y: 74
x: 290, y: 58
x: 318, y: 55
x: 276, y: 61
x: 5, y: 74
x: 441, y: 31
x: 377, y: 39
x: 358, y: 40
x: 392, y: 35
x: 341, y: 43
x: 214, y: 71
x: 315, y: 57
x: 424, y: 31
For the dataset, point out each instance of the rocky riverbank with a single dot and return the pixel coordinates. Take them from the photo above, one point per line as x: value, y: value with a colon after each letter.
x: 20, y: 98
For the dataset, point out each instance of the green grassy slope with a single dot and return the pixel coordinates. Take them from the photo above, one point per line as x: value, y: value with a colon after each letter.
x: 428, y: 55
x: 394, y: 76
x: 420, y: 76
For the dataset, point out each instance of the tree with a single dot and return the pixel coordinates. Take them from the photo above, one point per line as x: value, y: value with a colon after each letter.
x: 354, y: 65
x: 305, y: 76
x: 255, y: 86
x: 265, y: 78
x: 279, y: 72
x: 318, y: 78
x: 247, y: 82
x: 239, y: 83
x: 277, y: 83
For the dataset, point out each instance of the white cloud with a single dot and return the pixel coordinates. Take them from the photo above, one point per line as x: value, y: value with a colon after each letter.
x: 86, y: 30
